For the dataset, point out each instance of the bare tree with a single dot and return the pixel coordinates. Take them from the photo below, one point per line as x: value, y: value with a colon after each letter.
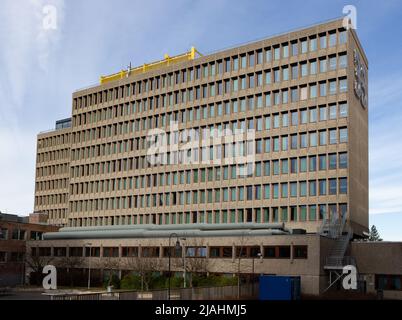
x: 110, y: 264
x: 145, y: 268
x: 70, y: 263
x: 36, y: 263
x: 194, y: 259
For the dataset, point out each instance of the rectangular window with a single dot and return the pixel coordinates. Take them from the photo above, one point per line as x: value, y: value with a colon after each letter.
x: 313, y: 139
x: 332, y: 39
x: 343, y: 85
x: 323, y: 89
x: 293, y: 165
x: 304, y: 46
x: 332, y: 63
x: 343, y: 61
x: 323, y: 113
x: 293, y: 189
x: 322, y: 163
x: 303, y: 189
x: 343, y: 185
x: 235, y: 63
x: 343, y: 160
x: 313, y: 188
x: 295, y: 49
x: 277, y: 53
x: 313, y: 115
x: 313, y: 91
x: 303, y: 140
x: 343, y: 135
x: 266, y: 191
x: 332, y: 161
x: 285, y: 74
x: 268, y: 77
x: 332, y: 112
x: 343, y: 37
x: 323, y: 65
x: 284, y: 190
x: 332, y: 186
x: 313, y: 44
x: 303, y: 164
x: 333, y: 136
x: 285, y: 143
x: 313, y: 67
x: 295, y: 72
x: 343, y: 110
x: 332, y: 87
x: 285, y: 51
x: 303, y: 213
x: 294, y: 118
x: 323, y: 187
x: 275, y: 191
x: 300, y: 252
x: 312, y: 163
x: 293, y: 141
x: 323, y: 42
x: 268, y: 55
x: 304, y: 70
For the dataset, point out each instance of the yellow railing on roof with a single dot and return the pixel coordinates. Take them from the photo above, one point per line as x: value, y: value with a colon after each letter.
x: 191, y: 55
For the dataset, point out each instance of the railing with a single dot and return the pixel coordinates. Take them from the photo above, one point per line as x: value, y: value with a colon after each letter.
x: 204, y: 293
x: 332, y: 227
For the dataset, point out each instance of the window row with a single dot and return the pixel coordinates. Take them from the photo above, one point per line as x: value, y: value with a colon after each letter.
x: 211, y: 69
x: 63, y: 154
x: 19, y: 234
x: 270, y: 121
x: 283, y: 96
x: 52, y: 200
x: 284, y: 166
x: 232, y: 252
x: 312, y: 212
x: 51, y: 185
x: 217, y: 152
x: 284, y: 190
x: 54, y: 141
x: 58, y: 169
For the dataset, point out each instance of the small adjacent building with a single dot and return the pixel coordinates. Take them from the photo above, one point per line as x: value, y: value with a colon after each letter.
x: 15, y: 231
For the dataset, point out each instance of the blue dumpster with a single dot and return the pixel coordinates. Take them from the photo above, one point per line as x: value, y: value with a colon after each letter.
x: 279, y: 288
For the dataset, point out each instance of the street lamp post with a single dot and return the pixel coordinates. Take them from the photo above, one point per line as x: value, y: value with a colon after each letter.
x: 184, y: 264
x: 170, y: 255
x: 238, y: 273
x: 259, y: 255
x: 89, y: 264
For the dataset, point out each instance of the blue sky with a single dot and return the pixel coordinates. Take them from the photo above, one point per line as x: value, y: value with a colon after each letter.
x: 39, y: 70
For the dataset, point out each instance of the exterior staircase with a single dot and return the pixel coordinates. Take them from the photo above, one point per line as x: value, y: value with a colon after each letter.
x: 337, y: 258
x: 336, y: 228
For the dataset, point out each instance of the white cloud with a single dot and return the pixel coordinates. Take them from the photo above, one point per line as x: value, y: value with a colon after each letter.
x: 386, y: 145
x: 25, y: 49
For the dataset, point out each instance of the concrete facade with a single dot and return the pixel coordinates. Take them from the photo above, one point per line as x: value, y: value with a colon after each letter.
x: 304, y: 95
x: 52, y: 175
x: 308, y: 267
x: 296, y: 90
x: 380, y: 264
x: 14, y: 233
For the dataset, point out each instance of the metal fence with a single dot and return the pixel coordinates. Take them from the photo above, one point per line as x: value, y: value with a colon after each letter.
x: 248, y: 291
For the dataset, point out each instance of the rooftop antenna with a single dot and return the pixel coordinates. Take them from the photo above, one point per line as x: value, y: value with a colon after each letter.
x: 129, y: 70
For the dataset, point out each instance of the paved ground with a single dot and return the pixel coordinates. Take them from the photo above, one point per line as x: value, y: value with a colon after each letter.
x: 24, y: 295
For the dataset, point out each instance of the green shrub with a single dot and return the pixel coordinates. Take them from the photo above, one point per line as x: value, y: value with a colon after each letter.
x: 112, y: 280
x: 158, y: 282
x: 131, y: 282
x: 213, y: 281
